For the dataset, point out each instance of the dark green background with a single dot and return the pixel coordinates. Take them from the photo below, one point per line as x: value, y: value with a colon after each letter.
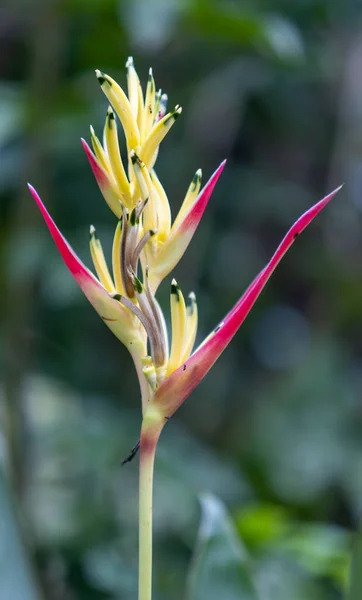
x: 275, y: 430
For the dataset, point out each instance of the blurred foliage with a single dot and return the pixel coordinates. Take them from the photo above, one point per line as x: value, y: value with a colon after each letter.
x: 355, y: 583
x: 275, y: 430
x: 220, y: 567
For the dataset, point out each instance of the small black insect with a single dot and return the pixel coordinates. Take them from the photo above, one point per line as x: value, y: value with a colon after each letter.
x: 132, y: 454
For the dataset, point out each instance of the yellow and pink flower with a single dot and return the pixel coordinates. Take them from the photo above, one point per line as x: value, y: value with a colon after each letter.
x: 147, y: 246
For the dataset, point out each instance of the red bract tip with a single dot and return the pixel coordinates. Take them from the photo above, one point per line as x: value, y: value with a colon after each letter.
x: 175, y: 389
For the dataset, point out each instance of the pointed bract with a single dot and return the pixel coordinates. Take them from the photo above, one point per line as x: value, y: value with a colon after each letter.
x: 116, y: 317
x: 180, y: 237
x: 104, y: 180
x: 175, y: 389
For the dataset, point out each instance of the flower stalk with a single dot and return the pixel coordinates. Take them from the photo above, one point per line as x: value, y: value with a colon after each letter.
x: 150, y: 432
x: 147, y: 246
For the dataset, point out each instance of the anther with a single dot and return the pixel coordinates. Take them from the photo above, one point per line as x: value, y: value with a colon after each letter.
x: 102, y: 78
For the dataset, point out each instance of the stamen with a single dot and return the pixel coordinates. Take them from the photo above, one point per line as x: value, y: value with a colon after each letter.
x: 140, y: 207
x: 124, y: 256
x: 148, y: 308
x: 141, y: 244
x: 133, y: 232
x: 137, y: 211
x: 138, y: 313
x: 126, y: 249
x: 157, y: 314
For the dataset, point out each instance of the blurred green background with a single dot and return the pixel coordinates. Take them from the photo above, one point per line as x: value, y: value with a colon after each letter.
x: 275, y: 430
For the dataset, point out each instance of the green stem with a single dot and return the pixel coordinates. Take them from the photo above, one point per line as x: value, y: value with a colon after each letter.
x: 150, y: 432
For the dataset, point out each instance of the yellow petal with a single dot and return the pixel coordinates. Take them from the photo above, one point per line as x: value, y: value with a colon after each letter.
x: 116, y: 259
x: 191, y: 327
x: 100, y: 153
x: 190, y: 197
x: 132, y: 84
x: 99, y: 262
x: 141, y: 106
x: 156, y: 136
x: 178, y: 321
x: 115, y: 159
x: 164, y: 222
x: 152, y: 214
x: 141, y: 173
x: 149, y: 107
x: 170, y: 252
x: 122, y: 107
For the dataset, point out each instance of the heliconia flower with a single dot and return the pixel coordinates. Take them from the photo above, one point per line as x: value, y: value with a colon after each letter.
x: 146, y: 247
x: 145, y: 125
x: 127, y: 305
x: 181, y: 382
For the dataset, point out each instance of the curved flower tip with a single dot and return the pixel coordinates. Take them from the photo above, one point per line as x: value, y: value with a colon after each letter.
x: 181, y: 234
x: 110, y: 311
x: 104, y: 180
x: 76, y: 267
x: 177, y: 387
x: 192, y: 218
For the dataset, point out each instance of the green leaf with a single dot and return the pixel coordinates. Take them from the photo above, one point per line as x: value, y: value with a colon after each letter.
x: 262, y: 524
x: 220, y: 567
x: 355, y: 582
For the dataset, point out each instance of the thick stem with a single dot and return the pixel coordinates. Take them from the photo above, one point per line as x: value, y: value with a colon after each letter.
x: 144, y: 387
x: 150, y: 432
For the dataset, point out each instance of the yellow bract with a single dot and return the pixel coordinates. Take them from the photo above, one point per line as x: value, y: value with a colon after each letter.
x: 114, y: 157
x: 184, y: 327
x: 116, y: 263
x: 99, y: 261
x: 122, y: 107
x: 178, y: 320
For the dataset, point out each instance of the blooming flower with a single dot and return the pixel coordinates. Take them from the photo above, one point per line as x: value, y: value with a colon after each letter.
x: 147, y: 246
